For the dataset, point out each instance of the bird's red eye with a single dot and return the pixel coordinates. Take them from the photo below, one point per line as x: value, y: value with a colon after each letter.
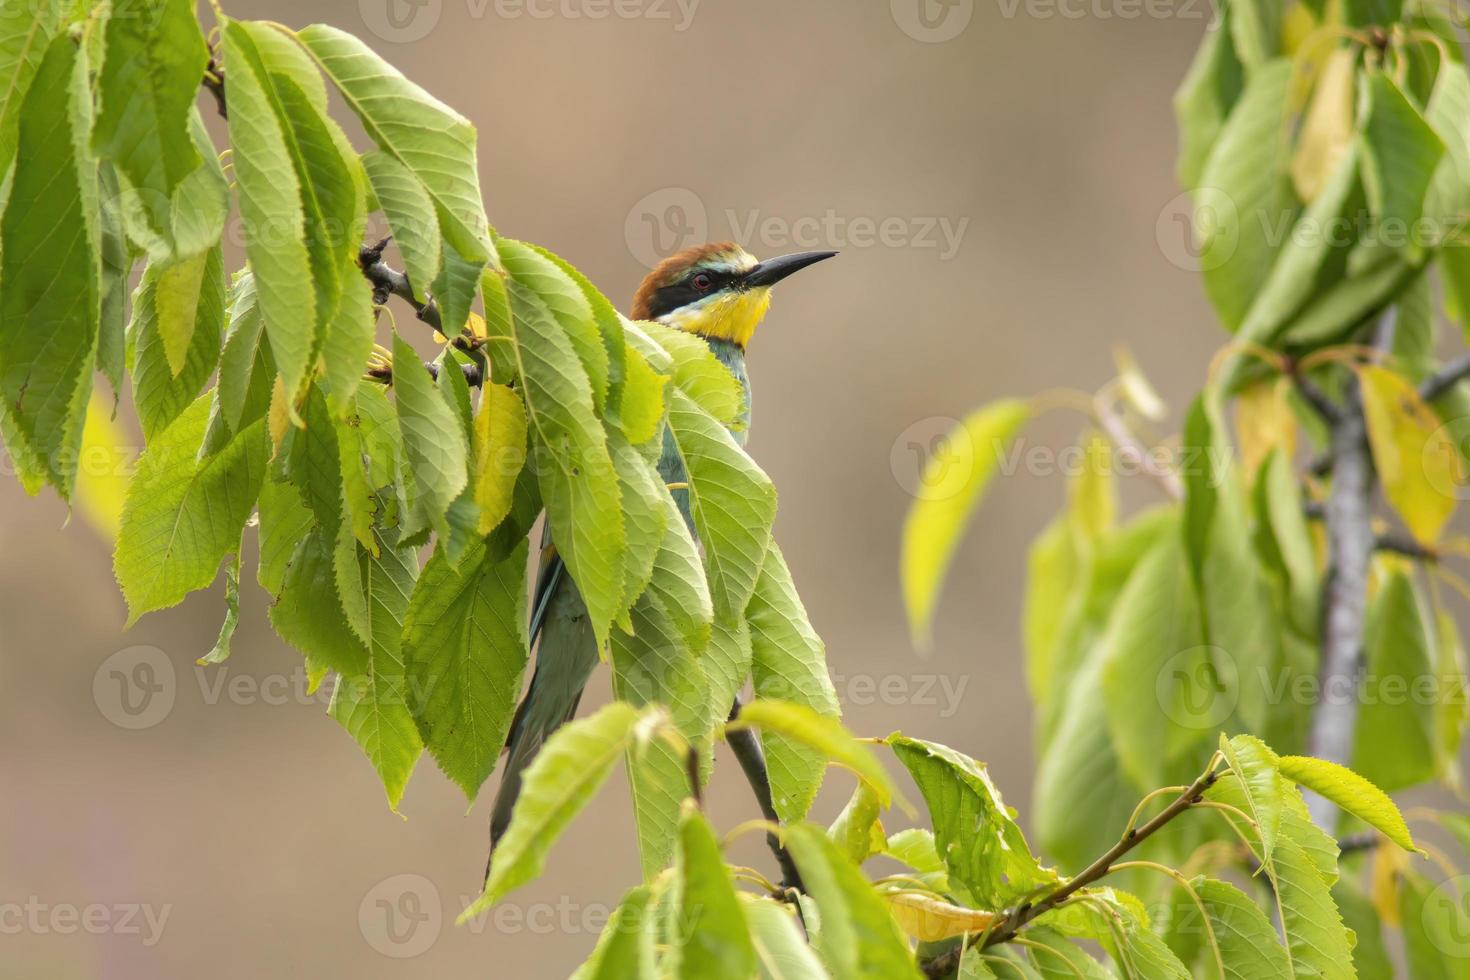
x: 701, y: 281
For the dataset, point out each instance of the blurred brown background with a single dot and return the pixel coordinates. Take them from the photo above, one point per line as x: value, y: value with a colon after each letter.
x: 1015, y: 154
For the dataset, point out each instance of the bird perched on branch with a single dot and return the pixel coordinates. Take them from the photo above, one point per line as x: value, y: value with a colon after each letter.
x: 719, y: 292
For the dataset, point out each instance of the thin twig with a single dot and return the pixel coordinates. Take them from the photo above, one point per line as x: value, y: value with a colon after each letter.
x: 1017, y: 918
x: 1445, y: 378
x: 1317, y: 398
x: 1401, y: 544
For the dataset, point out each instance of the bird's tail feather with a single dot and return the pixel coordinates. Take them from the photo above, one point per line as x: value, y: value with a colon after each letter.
x: 566, y: 655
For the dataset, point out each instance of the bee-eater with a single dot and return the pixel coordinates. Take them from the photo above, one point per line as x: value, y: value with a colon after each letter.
x: 716, y: 291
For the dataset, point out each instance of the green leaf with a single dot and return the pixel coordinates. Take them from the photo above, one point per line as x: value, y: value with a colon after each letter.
x: 567, y: 303
x: 176, y: 299
x: 856, y: 829
x: 375, y: 705
x: 410, y: 212
x: 148, y: 83
x: 780, y: 948
x: 434, y: 446
x: 954, y: 480
x: 245, y: 368
x: 566, y: 774
x: 648, y: 510
x: 220, y: 652
x: 692, y: 365
x: 284, y: 522
x: 637, y: 416
x: 858, y: 937
x: 1350, y: 792
x: 1316, y: 937
x: 1395, y: 742
x: 625, y: 949
x: 1448, y: 200
x: 788, y: 663
x: 732, y: 500
x: 50, y: 263
x: 653, y: 665
x: 714, y: 940
x: 822, y: 735
x: 160, y: 392
x: 1147, y: 956
x: 272, y: 211
x: 431, y: 140
x: 1259, y: 784
x: 1400, y: 153
x: 570, y: 455
x: 347, y: 345
x: 26, y: 28
x: 1245, y: 194
x: 183, y: 514
x: 1436, y: 927
x: 308, y: 612
x: 982, y: 845
x: 916, y: 848
x: 1370, y: 958
x: 1246, y: 940
x: 1301, y: 864
x: 1165, y: 690
x: 465, y: 647
x: 1205, y: 97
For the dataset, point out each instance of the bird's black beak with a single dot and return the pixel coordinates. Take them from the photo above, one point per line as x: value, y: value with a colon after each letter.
x: 772, y: 271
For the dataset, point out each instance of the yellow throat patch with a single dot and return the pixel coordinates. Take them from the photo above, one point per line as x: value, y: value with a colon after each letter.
x: 724, y: 316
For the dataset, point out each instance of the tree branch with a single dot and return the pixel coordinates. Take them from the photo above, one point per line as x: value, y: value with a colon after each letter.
x: 1350, y: 544
x: 472, y: 373
x: 388, y: 281
x: 747, y: 748
x: 1445, y: 378
x: 1017, y: 918
x: 214, y: 82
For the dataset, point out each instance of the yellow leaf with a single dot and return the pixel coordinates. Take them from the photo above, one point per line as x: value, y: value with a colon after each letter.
x: 1137, y: 391
x: 1264, y: 421
x: 278, y: 417
x: 500, y: 452
x: 1417, y: 461
x: 1388, y: 865
x: 104, y: 466
x: 1327, y: 130
x: 176, y: 300
x: 475, y: 326
x: 930, y: 919
x: 954, y: 479
x: 1093, y: 493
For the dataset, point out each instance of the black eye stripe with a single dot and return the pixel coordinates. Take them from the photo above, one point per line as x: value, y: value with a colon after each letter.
x: 684, y: 292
